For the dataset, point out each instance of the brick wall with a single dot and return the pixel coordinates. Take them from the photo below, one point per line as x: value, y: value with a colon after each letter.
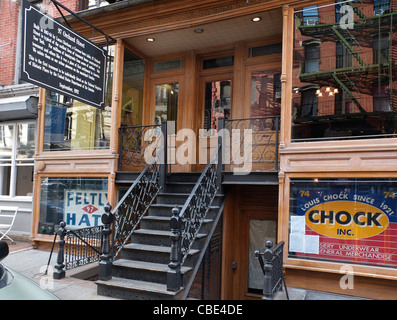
x: 9, y: 10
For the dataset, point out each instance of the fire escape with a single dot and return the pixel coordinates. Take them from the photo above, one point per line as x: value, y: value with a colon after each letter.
x: 367, y: 63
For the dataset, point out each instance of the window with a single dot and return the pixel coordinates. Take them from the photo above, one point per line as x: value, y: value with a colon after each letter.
x: 381, y: 49
x: 310, y: 15
x: 265, y: 93
x: 17, y: 149
x: 133, y: 83
x: 265, y: 50
x: 381, y: 7
x: 218, y: 96
x: 351, y: 73
x: 218, y: 62
x: 166, y: 103
x: 344, y: 220
x: 79, y: 202
x: 74, y: 125
x: 167, y: 65
x: 312, y: 57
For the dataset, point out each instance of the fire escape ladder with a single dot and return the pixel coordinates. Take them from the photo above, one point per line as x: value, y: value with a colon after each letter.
x: 348, y: 92
x: 348, y: 46
x: 357, y: 11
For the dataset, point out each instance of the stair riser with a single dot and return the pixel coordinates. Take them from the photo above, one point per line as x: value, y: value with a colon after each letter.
x: 179, y: 188
x: 130, y: 294
x: 162, y: 225
x: 159, y: 240
x: 158, y: 257
x: 174, y: 199
x: 167, y: 211
x: 155, y: 224
x: 139, y: 274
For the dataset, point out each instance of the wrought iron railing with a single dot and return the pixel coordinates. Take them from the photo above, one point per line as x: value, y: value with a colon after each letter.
x: 76, y: 248
x: 186, y: 223
x: 133, y: 144
x: 82, y: 246
x: 134, y: 205
x: 263, y: 133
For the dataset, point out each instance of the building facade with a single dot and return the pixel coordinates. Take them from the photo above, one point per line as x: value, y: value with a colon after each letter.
x: 311, y: 85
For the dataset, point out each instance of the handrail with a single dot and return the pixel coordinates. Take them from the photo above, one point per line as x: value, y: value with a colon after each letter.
x: 140, y: 196
x: 186, y: 235
x: 186, y: 223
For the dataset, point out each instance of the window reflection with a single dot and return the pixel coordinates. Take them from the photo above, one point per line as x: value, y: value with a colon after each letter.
x: 344, y: 79
x: 166, y: 103
x: 218, y: 101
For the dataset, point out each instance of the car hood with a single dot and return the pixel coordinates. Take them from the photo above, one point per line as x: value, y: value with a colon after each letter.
x: 22, y: 288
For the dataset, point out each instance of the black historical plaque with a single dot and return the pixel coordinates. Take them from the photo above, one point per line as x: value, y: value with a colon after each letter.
x: 58, y: 58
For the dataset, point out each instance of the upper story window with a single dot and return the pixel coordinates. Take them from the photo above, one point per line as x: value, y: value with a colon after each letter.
x: 310, y: 15
x: 344, y: 78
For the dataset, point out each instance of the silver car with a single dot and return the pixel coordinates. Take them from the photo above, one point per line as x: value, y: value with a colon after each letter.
x: 14, y: 286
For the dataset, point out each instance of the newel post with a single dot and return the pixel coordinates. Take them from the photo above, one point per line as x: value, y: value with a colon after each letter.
x: 174, y: 277
x: 268, y: 271
x: 59, y: 272
x: 105, y: 263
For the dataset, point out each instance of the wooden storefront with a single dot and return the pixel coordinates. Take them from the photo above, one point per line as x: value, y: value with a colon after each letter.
x: 188, y: 36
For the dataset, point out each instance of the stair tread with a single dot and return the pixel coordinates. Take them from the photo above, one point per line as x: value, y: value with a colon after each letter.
x: 148, y: 247
x: 168, y: 205
x: 161, y: 232
x: 152, y: 266
x: 137, y: 285
x: 167, y: 218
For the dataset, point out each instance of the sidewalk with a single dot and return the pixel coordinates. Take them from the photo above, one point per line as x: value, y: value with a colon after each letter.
x: 32, y: 263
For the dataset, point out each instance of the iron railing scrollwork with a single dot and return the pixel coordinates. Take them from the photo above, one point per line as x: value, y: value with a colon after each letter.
x: 134, y: 205
x: 186, y: 223
x: 264, y: 134
x: 133, y: 143
x: 76, y: 248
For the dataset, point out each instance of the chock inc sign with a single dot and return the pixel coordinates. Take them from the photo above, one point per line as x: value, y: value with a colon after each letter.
x: 343, y: 219
x: 345, y: 224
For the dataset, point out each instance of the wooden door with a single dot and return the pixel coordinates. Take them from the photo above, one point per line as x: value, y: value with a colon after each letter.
x: 250, y: 219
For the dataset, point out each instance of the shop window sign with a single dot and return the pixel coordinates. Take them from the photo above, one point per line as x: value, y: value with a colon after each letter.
x: 84, y: 209
x: 355, y: 222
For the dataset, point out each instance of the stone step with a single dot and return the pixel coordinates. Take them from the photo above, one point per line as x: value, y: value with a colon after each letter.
x: 160, y: 222
x: 150, y: 253
x: 129, y: 289
x: 143, y: 270
x: 156, y: 237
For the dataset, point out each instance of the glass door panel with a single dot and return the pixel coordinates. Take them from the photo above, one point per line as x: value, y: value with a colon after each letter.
x: 218, y: 96
x: 259, y: 232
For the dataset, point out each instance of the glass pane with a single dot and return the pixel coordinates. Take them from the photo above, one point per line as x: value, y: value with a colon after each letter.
x: 5, y: 180
x: 74, y: 125
x: 24, y: 185
x: 218, y: 101
x: 26, y: 143
x: 6, y: 141
x: 133, y: 78
x: 265, y: 93
x: 260, y: 231
x: 77, y: 201
x: 218, y: 62
x: 344, y: 76
x: 344, y: 220
x: 166, y: 108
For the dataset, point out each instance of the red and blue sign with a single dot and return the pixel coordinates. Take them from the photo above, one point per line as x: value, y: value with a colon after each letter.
x: 346, y: 224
